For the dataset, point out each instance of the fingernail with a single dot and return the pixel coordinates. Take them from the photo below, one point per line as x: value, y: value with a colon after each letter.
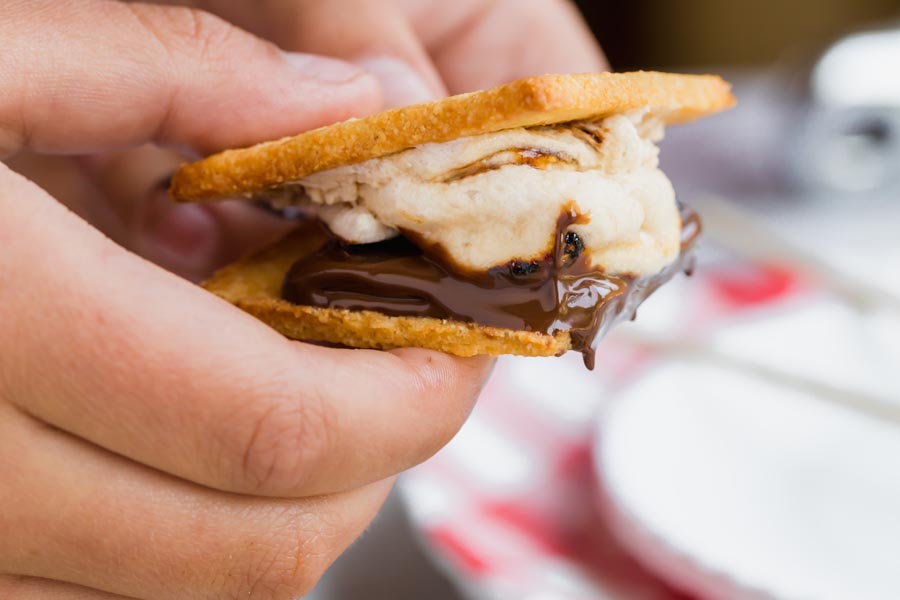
x: 400, y: 83
x: 186, y: 228
x: 183, y: 237
x: 328, y: 70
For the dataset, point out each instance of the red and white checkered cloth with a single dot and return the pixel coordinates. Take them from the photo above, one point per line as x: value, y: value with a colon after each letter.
x: 510, y: 507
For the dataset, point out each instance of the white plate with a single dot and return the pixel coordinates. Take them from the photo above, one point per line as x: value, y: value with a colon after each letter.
x: 734, y: 487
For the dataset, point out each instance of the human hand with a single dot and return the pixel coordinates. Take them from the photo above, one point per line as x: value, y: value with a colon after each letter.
x: 413, y: 46
x: 420, y: 49
x: 156, y: 442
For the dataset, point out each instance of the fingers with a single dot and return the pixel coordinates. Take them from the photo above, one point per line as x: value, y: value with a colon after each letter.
x: 125, y: 195
x: 112, y: 74
x: 375, y: 35
x: 118, y: 352
x: 77, y: 514
x: 478, y: 44
x: 191, y: 240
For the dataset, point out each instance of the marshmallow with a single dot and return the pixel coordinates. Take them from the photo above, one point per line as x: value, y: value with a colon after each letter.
x: 492, y: 198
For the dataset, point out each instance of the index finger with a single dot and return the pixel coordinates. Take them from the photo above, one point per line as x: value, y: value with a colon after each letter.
x: 112, y: 74
x: 118, y: 352
x: 123, y: 354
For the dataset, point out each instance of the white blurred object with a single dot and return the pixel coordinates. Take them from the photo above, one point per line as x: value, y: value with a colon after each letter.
x: 735, y: 487
x: 761, y: 462
x: 738, y: 485
x: 860, y: 70
x: 850, y: 149
x: 850, y: 138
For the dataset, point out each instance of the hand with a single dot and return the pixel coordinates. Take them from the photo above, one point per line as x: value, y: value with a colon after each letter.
x: 418, y: 49
x: 421, y: 49
x: 155, y: 442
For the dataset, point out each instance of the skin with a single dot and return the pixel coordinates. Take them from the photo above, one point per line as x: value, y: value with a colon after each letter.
x: 155, y: 442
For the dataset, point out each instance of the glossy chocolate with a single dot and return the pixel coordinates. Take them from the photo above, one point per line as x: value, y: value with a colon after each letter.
x: 558, y: 293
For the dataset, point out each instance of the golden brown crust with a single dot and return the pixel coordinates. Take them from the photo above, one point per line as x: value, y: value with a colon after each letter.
x: 541, y: 100
x: 254, y: 285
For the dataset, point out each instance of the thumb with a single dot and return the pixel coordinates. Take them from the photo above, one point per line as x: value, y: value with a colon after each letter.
x: 111, y: 74
x: 375, y: 35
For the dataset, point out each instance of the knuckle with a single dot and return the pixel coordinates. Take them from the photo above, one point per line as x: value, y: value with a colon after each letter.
x: 285, y: 563
x: 452, y: 387
x: 281, y: 444
x: 186, y: 31
x: 443, y: 432
x: 205, y: 33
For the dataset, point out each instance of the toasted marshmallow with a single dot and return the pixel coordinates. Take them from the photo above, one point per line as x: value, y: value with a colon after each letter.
x: 490, y: 199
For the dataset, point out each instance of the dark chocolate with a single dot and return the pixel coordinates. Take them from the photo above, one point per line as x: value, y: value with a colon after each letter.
x: 560, y: 292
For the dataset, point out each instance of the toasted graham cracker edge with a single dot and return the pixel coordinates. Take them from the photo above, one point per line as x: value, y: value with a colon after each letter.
x: 254, y: 283
x: 540, y: 100
x: 367, y: 329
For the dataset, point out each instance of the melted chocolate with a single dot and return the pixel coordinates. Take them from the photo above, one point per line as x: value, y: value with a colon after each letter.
x: 558, y: 293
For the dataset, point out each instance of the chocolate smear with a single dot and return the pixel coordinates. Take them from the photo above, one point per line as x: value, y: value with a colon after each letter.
x: 559, y: 292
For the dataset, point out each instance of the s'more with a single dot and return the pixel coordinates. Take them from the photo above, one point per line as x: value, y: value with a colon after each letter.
x: 525, y: 219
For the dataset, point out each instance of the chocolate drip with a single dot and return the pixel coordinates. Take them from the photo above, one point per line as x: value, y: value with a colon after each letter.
x: 560, y: 292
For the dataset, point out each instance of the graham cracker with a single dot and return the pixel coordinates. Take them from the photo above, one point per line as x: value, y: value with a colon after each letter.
x: 541, y: 100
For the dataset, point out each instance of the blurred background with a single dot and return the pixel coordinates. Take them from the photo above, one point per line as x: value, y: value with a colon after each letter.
x: 741, y: 439
x: 737, y: 34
